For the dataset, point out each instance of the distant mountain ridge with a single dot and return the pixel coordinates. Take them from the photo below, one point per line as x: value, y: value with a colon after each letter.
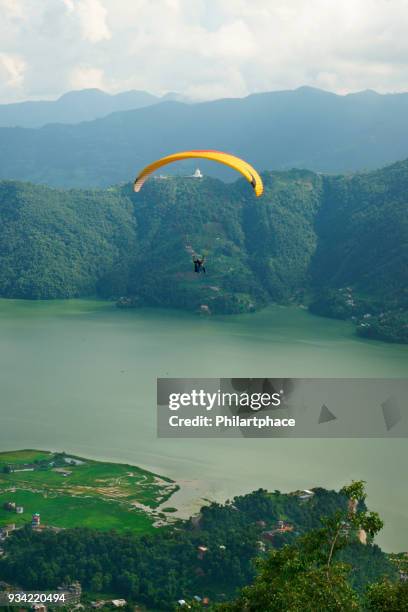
x: 304, y: 128
x: 73, y: 107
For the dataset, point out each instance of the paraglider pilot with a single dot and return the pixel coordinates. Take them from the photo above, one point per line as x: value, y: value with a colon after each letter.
x: 198, y: 264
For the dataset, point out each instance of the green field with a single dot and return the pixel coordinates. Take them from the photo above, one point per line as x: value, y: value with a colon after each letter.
x: 69, y: 491
x: 23, y: 456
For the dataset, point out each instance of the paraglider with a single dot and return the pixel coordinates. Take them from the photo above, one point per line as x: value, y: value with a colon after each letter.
x: 236, y: 163
x: 199, y: 264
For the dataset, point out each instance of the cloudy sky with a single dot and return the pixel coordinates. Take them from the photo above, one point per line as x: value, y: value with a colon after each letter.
x: 202, y: 48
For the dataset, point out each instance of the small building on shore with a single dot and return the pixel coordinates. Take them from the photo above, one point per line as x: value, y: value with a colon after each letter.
x: 119, y: 603
x: 9, y: 506
x: 36, y: 521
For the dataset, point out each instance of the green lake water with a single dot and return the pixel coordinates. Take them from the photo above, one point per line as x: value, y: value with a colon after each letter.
x: 80, y: 376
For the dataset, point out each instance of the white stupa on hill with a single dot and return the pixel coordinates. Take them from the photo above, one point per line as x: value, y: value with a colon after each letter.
x: 196, y: 175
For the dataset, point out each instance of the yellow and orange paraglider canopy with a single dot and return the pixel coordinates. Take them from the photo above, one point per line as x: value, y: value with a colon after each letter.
x: 218, y: 156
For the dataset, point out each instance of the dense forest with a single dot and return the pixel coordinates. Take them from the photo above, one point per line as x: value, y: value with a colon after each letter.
x: 211, y: 555
x: 338, y: 243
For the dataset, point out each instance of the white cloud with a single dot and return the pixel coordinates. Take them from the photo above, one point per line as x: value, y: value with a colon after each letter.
x: 204, y: 49
x: 11, y: 8
x: 91, y: 15
x: 12, y: 69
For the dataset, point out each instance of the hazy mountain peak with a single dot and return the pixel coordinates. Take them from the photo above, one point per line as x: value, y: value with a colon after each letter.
x: 83, y: 93
x: 367, y: 93
x: 73, y: 107
x: 314, y: 90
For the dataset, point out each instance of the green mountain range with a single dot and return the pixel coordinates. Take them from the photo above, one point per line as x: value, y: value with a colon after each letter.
x: 338, y: 243
x: 305, y: 128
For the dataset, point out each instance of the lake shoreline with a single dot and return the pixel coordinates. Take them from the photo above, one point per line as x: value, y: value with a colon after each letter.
x: 80, y: 376
x: 68, y: 491
x: 114, y: 305
x: 183, y: 503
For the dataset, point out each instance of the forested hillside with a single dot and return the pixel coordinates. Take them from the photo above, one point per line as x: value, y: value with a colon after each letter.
x: 305, y: 128
x: 367, y: 214
x: 339, y: 242
x: 60, y: 243
x: 212, y: 554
